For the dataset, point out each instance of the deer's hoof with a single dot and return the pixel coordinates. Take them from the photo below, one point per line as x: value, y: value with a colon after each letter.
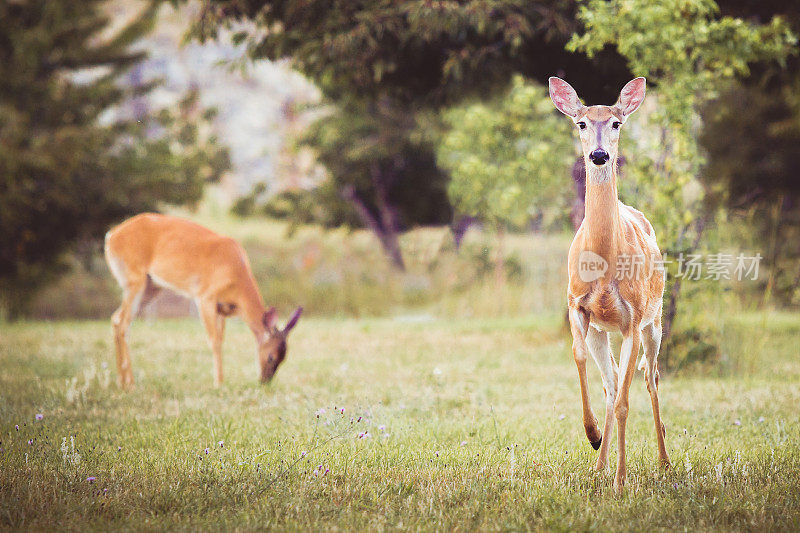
x: 596, y: 444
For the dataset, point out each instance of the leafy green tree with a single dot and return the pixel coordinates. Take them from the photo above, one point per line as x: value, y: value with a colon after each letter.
x: 66, y: 170
x: 508, y: 159
x: 387, y: 181
x: 379, y: 62
x: 687, y: 51
x: 752, y: 138
x: 421, y: 52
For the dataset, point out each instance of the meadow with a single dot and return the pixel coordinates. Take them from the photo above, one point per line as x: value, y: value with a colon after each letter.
x: 391, y: 423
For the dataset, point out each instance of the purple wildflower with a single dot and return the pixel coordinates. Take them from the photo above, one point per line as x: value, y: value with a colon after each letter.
x: 303, y: 453
x: 30, y: 442
x: 16, y: 426
x: 91, y: 479
x: 206, y: 451
x: 221, y: 444
x: 39, y: 416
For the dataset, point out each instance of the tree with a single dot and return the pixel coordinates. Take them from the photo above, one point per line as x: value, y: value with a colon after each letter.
x: 422, y: 52
x: 385, y: 167
x: 752, y: 138
x: 66, y: 170
x: 687, y: 51
x: 378, y: 60
x: 508, y: 159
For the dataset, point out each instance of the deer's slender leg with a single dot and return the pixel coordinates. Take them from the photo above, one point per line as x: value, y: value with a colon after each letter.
x: 579, y: 324
x: 597, y: 341
x: 651, y: 339
x: 214, y: 323
x: 121, y: 321
x: 627, y: 365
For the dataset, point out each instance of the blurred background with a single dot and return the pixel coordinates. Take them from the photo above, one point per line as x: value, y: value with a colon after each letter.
x: 396, y: 158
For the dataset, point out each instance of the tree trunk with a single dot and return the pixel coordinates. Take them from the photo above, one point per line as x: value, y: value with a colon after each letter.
x: 389, y: 218
x: 460, y: 227
x: 387, y: 236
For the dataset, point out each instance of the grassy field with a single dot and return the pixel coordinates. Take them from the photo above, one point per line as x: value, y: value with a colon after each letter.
x: 346, y: 274
x: 404, y: 422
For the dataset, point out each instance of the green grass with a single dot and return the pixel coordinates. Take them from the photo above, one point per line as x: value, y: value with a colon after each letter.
x: 470, y: 424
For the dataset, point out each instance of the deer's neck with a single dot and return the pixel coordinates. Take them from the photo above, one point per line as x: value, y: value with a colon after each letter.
x: 602, y: 219
x: 252, y: 310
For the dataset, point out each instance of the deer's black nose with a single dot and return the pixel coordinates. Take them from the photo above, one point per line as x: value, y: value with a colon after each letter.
x: 599, y: 157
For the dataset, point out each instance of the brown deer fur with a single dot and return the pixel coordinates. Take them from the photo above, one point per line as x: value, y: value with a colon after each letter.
x: 151, y: 251
x: 631, y: 303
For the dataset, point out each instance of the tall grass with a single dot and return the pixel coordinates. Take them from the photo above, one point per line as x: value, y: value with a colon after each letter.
x: 344, y: 273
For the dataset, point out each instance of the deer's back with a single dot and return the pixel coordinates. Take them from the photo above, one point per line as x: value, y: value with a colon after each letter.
x: 176, y: 253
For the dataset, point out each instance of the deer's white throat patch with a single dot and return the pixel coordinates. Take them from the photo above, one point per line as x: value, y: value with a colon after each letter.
x: 598, y: 175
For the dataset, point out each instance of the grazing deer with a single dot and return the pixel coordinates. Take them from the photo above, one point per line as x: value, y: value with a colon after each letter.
x: 149, y: 252
x: 616, y: 282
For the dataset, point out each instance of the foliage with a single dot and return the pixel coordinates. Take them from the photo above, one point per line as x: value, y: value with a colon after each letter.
x: 66, y: 169
x: 508, y: 159
x: 382, y: 175
x: 687, y: 52
x: 367, y: 141
x: 687, y: 59
x: 415, y: 52
x: 321, y: 205
x: 383, y: 64
x: 752, y: 137
x: 385, y: 173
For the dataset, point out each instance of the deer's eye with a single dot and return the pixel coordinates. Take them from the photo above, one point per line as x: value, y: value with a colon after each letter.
x: 582, y: 125
x: 616, y: 124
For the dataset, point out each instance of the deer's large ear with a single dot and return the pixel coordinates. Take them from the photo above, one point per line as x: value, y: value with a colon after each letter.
x: 564, y: 97
x: 631, y: 96
x: 269, y: 318
x: 293, y: 320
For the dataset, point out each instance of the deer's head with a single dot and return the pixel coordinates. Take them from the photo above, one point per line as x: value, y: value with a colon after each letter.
x: 598, y: 125
x: 272, y: 347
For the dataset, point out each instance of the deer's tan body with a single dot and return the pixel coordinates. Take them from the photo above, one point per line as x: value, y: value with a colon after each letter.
x: 603, y: 298
x: 184, y: 257
x: 610, y: 300
x: 151, y: 251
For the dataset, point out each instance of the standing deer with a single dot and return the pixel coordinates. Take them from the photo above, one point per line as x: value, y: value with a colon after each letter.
x: 602, y: 296
x: 149, y: 252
